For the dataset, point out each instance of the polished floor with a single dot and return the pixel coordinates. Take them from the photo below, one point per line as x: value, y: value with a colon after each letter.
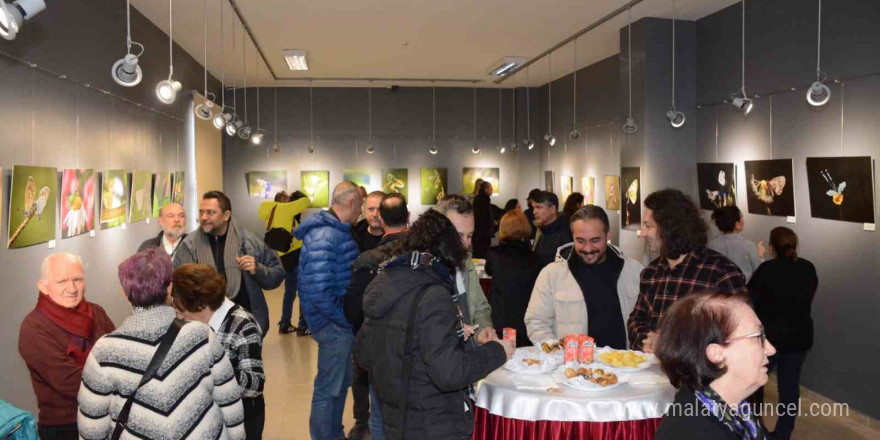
x: 291, y: 364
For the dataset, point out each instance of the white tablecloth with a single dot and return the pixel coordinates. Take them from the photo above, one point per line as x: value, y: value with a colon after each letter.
x: 498, y: 394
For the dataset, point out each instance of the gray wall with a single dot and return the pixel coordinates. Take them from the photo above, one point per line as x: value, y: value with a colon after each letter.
x: 780, y: 54
x: 47, y: 121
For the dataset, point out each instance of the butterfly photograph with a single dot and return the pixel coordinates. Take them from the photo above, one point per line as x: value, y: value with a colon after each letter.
x: 612, y: 194
x: 395, y: 180
x: 631, y: 195
x: 566, y: 187
x: 770, y: 187
x: 717, y: 185
x: 32, y: 203
x: 841, y: 188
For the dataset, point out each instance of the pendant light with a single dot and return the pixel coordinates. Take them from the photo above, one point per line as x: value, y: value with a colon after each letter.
x: 551, y: 140
x: 514, y: 145
x: 574, y: 134
x: 244, y: 132
x: 223, y: 116
x: 433, y: 148
x: 476, y: 148
x: 676, y: 118
x: 630, y: 126
x: 529, y: 143
x: 257, y: 138
x: 819, y: 94
x: 501, y: 147
x: 126, y: 72
x: 205, y: 110
x: 275, y: 111
x: 12, y: 16
x: 370, y: 149
x: 167, y: 89
x: 311, y: 122
x: 739, y: 99
x: 234, y: 124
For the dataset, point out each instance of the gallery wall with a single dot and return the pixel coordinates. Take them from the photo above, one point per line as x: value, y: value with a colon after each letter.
x: 53, y: 122
x: 781, y: 55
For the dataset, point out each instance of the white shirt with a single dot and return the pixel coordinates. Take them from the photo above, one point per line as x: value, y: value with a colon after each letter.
x: 169, y: 246
x: 220, y: 314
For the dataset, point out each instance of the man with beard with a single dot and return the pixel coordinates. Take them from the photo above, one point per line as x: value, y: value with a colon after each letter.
x: 248, y: 265
x: 172, y: 219
x: 591, y: 290
x: 368, y: 232
x: 553, y: 229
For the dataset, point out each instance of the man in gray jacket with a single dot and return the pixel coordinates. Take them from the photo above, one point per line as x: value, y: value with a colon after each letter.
x: 248, y: 265
x: 591, y: 288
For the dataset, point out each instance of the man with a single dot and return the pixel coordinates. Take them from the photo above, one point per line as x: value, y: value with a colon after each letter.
x: 553, y: 230
x: 368, y: 232
x: 248, y: 265
x: 324, y: 274
x: 172, y: 219
x: 363, y: 192
x: 285, y: 213
x: 590, y: 290
x: 673, y: 227
x: 394, y: 218
x: 530, y: 212
x: 477, y: 314
x: 55, y: 339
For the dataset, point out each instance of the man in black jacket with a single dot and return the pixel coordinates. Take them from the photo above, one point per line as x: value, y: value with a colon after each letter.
x: 554, y: 230
x: 394, y: 218
x: 368, y: 232
x: 172, y: 219
x: 530, y: 211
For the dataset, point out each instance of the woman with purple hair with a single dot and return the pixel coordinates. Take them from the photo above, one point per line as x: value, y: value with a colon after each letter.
x: 195, y: 378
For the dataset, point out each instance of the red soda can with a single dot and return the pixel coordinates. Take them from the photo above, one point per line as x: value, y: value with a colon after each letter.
x: 571, y: 348
x: 509, y: 333
x: 586, y: 344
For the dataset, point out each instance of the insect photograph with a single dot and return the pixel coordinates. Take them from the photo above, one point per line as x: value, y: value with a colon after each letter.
x: 841, y: 188
x: 770, y: 189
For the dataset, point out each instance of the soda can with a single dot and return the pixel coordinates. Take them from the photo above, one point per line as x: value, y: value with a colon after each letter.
x: 571, y: 348
x: 509, y: 333
x: 586, y: 344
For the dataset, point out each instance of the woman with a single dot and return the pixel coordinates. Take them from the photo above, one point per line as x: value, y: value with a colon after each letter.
x: 574, y: 202
x: 732, y: 244
x: 484, y: 221
x: 782, y: 290
x: 199, y: 294
x: 195, y: 378
x: 513, y: 268
x: 421, y: 357
x: 511, y: 205
x: 712, y: 347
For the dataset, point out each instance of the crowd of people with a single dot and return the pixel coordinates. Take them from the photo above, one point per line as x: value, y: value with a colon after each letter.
x: 398, y: 313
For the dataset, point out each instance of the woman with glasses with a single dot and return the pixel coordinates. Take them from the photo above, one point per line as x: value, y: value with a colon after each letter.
x: 712, y: 347
x: 782, y: 290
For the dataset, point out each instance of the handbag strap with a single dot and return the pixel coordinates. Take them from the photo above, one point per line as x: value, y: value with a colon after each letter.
x: 271, y: 218
x: 152, y: 368
x: 408, y: 353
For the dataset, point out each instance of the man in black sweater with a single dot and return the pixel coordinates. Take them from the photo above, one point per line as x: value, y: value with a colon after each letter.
x: 553, y: 228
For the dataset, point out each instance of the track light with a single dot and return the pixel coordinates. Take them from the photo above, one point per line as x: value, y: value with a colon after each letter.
x: 221, y: 119
x: 475, y: 149
x: 205, y: 110
x: 743, y: 103
x: 233, y: 127
x: 433, y: 149
x: 167, y: 90
x: 676, y: 118
x: 311, y: 149
x: 551, y: 140
x: 257, y: 138
x: 514, y: 147
x: 819, y: 94
x: 370, y: 149
x: 530, y: 144
x: 501, y: 149
x: 126, y: 72
x: 244, y: 132
x: 13, y: 15
x: 630, y: 126
x: 574, y: 134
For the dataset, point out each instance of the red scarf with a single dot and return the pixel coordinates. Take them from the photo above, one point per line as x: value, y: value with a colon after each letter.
x: 79, y: 322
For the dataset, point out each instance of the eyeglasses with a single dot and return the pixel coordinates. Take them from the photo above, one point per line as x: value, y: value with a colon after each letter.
x: 759, y: 334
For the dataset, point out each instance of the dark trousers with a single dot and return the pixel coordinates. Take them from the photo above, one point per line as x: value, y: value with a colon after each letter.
x: 58, y: 432
x: 254, y: 417
x: 480, y: 244
x: 788, y: 377
x: 360, y: 390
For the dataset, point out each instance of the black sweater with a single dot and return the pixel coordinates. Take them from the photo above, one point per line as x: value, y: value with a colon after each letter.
x: 514, y: 269
x: 686, y: 420
x: 782, y: 291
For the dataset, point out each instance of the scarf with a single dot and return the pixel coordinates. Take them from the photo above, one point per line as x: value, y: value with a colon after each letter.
x: 78, y: 322
x: 739, y: 420
x: 234, y: 248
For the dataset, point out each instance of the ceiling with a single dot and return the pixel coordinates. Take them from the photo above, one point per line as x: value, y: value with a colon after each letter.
x: 389, y: 40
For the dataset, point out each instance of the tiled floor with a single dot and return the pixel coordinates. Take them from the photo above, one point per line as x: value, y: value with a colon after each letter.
x: 290, y: 363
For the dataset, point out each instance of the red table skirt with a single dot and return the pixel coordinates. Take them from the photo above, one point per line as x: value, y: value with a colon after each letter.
x: 491, y: 427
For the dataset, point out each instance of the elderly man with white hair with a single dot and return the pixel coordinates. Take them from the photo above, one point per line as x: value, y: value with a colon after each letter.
x: 172, y: 219
x: 55, y: 339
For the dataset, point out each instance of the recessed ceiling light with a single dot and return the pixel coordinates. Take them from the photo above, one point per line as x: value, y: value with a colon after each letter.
x: 505, y: 66
x: 296, y: 59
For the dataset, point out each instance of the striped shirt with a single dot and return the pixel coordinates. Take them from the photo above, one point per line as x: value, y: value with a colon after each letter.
x: 194, y: 394
x: 660, y: 285
x: 240, y: 335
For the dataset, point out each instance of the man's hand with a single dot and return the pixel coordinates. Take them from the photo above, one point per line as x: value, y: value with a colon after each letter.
x: 247, y: 263
x: 469, y: 331
x: 509, y: 346
x: 486, y: 335
x: 650, y: 343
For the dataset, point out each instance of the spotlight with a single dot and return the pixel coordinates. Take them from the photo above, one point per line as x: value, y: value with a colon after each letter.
x: 370, y: 149
x: 244, y: 132
x: 205, y: 110
x: 475, y: 149
x: 501, y: 149
x: 676, y: 118
x: 13, y: 15
x: 551, y: 140
x: 167, y: 90
x: 630, y: 126
x: 311, y: 149
x: 126, y: 72
x: 530, y: 144
x: 257, y: 138
x: 433, y: 149
x: 514, y: 147
x: 819, y: 94
x: 221, y: 119
x: 232, y: 127
x: 574, y: 134
x: 743, y: 103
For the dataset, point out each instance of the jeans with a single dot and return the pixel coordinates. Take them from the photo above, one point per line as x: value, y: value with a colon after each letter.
x: 289, y: 297
x: 360, y: 392
x: 332, y: 382
x: 788, y: 380
x: 58, y: 432
x: 254, y: 416
x: 377, y: 430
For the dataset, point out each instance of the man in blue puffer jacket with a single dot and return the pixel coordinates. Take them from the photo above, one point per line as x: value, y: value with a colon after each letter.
x: 324, y: 273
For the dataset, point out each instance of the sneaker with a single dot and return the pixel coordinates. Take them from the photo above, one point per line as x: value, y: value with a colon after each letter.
x: 303, y: 332
x: 358, y: 432
x: 284, y: 329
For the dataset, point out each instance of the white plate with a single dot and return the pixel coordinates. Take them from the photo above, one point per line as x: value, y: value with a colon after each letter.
x: 580, y: 383
x: 547, y: 365
x: 651, y: 359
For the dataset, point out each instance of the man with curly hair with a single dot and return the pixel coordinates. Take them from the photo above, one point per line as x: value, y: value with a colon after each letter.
x: 673, y: 227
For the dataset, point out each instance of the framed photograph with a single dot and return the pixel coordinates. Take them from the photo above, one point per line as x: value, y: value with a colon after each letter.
x: 841, y: 188
x: 717, y: 185
x: 770, y: 187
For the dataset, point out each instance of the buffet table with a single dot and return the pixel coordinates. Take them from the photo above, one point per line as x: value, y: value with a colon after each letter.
x: 507, y: 408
